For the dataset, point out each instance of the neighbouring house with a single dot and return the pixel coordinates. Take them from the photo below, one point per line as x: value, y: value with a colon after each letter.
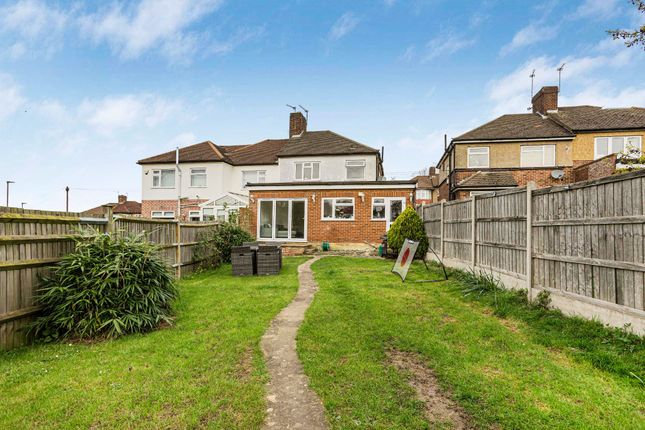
x: 426, y: 186
x: 553, y: 145
x: 123, y: 206
x: 313, y: 186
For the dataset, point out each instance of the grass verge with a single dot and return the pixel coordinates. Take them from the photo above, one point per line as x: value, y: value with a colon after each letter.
x: 207, y: 371
x: 506, y: 363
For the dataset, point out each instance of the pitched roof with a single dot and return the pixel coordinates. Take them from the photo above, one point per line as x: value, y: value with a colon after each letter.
x: 323, y: 143
x: 129, y: 207
x: 517, y: 126
x: 488, y: 179
x: 204, y: 151
x: 266, y: 151
x: 579, y: 118
x: 426, y: 181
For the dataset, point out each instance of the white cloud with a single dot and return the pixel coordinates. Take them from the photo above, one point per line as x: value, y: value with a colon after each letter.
x: 343, y: 26
x: 601, y: 9
x: 126, y: 111
x: 131, y: 31
x: 33, y: 26
x: 446, y: 44
x: 241, y: 36
x: 511, y: 93
x: 409, y: 53
x: 529, y: 35
x: 10, y: 96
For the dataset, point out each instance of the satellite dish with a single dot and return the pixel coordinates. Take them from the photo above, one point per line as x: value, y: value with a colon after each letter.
x: 557, y: 174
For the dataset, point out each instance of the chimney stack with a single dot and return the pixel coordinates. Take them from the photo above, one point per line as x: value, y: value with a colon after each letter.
x: 122, y: 199
x: 545, y: 100
x: 297, y: 124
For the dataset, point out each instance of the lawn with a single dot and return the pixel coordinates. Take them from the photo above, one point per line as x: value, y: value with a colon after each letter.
x: 507, y: 364
x: 206, y: 371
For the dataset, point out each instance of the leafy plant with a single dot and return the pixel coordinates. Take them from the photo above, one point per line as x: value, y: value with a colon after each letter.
x: 542, y: 300
x: 478, y: 281
x: 408, y: 225
x: 215, y: 245
x: 109, y: 286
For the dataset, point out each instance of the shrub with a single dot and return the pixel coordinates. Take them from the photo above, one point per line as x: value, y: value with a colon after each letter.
x: 543, y: 300
x: 215, y: 245
x: 107, y: 287
x: 408, y: 225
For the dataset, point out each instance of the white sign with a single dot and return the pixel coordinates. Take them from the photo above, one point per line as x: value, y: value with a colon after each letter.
x: 406, y: 255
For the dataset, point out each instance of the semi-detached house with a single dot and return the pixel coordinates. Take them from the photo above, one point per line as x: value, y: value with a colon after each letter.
x: 553, y: 145
x: 314, y: 186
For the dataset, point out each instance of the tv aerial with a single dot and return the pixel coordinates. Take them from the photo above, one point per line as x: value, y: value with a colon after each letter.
x: 292, y: 107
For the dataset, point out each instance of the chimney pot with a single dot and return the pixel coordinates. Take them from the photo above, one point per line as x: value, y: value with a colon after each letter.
x: 297, y: 124
x: 545, y: 100
x: 122, y: 199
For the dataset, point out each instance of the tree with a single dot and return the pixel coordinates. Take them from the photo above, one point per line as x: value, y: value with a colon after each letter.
x: 408, y: 225
x: 632, y: 37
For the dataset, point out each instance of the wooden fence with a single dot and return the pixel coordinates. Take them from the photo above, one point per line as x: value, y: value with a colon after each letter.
x: 32, y: 241
x: 583, y: 242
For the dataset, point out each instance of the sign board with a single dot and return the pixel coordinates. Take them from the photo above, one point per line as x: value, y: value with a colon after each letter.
x: 406, y: 255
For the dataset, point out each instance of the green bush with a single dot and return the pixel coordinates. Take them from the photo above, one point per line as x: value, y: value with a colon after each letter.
x: 107, y: 287
x: 408, y: 225
x: 215, y: 245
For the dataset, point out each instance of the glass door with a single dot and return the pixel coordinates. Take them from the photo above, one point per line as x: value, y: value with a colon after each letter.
x: 393, y: 208
x: 282, y: 219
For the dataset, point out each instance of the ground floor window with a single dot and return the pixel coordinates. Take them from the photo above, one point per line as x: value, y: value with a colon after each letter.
x: 163, y: 214
x: 387, y: 209
x: 194, y: 216
x: 338, y: 209
x: 282, y: 219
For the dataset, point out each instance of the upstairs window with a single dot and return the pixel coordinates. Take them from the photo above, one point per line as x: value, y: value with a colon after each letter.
x: 355, y: 169
x: 424, y: 194
x: 537, y: 155
x: 478, y: 157
x: 163, y: 178
x: 338, y: 209
x: 253, y: 177
x: 604, y: 146
x: 198, y: 177
x: 308, y: 171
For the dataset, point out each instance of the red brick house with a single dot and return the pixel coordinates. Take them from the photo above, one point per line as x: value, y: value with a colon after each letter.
x: 123, y: 206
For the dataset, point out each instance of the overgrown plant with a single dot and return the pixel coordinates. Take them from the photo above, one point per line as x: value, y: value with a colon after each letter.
x: 107, y: 287
x: 542, y: 300
x: 478, y: 282
x: 408, y: 225
x: 215, y: 245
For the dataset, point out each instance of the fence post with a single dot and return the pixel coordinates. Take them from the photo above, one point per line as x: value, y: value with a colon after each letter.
x: 441, y: 226
x: 473, y: 247
x: 529, y: 239
x: 109, y: 215
x: 178, y: 249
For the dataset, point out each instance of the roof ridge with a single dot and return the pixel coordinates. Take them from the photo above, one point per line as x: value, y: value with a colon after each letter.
x: 351, y: 140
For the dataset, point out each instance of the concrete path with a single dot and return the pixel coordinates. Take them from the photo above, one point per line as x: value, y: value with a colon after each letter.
x: 291, y: 403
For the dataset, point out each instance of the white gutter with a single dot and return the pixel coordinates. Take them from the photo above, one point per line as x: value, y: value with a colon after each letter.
x: 331, y: 187
x: 537, y: 139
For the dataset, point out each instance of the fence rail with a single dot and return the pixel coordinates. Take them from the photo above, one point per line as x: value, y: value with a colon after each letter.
x: 584, y: 243
x: 32, y: 241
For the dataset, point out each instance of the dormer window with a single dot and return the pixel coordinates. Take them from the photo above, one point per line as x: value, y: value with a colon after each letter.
x: 307, y: 171
x: 355, y: 169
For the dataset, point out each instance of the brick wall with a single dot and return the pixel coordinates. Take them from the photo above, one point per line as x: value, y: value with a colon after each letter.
x: 147, y: 206
x: 361, y: 229
x: 600, y: 168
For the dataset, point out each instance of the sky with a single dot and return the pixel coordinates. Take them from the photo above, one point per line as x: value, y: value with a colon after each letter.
x: 89, y: 88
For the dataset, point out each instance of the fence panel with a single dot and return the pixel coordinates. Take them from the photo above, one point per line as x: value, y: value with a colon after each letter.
x: 431, y: 215
x: 457, y: 230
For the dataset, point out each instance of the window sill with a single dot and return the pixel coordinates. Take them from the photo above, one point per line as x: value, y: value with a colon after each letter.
x: 337, y: 219
x: 198, y: 186
x: 378, y: 219
x: 163, y: 188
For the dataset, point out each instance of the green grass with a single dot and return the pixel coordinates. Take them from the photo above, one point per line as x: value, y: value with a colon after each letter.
x: 206, y: 371
x: 509, y: 365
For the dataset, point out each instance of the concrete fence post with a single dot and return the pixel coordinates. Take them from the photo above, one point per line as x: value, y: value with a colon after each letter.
x: 529, y: 239
x: 178, y: 249
x: 473, y: 244
x: 441, y: 234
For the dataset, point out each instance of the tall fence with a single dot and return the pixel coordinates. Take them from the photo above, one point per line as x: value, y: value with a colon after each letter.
x: 583, y: 243
x: 32, y: 241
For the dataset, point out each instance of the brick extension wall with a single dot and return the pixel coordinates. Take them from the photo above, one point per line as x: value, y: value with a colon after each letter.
x: 600, y: 168
x: 361, y: 229
x: 147, y: 206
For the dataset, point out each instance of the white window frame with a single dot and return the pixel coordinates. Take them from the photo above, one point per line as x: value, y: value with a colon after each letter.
x: 333, y: 208
x: 479, y: 193
x: 424, y: 192
x: 157, y: 173
x: 305, y: 165
x: 534, y: 148
x: 355, y: 163
x: 193, y: 174
x: 260, y: 176
x: 273, y: 215
x: 610, y: 140
x: 192, y: 214
x: 487, y: 156
x: 162, y: 214
x: 384, y: 204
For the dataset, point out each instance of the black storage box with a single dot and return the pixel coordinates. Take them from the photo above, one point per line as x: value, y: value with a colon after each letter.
x: 243, y: 261
x: 269, y: 260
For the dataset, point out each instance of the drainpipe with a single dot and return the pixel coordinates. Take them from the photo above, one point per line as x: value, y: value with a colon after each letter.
x: 178, y: 184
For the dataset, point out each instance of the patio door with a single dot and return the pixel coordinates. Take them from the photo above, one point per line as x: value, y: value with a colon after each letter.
x: 393, y: 208
x: 282, y: 219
